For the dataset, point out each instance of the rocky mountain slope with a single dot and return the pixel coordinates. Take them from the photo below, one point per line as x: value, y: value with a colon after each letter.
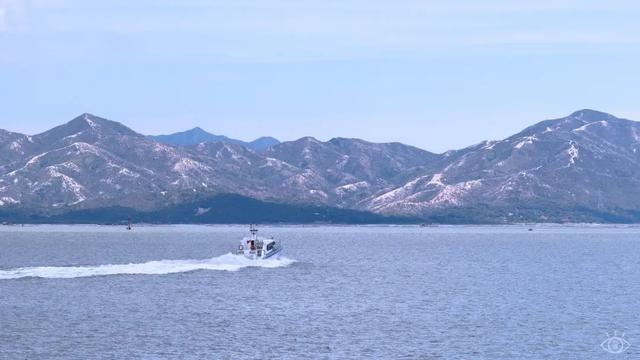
x: 587, y: 160
x: 587, y: 164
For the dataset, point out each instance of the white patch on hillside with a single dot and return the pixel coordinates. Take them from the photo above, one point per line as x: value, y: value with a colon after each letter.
x: 161, y: 148
x: 573, y: 154
x: 302, y: 179
x: 342, y: 161
x: 83, y: 147
x: 275, y: 163
x: 489, y: 145
x: 121, y: 171
x: 73, y: 136
x: 227, y: 151
x: 514, y: 180
x: 127, y: 172
x: 68, y: 184
x: 71, y: 166
x: 454, y: 194
x: 408, y: 199
x: 398, y: 193
x: 319, y: 193
x: 437, y: 180
x: 527, y: 140
x: 584, y: 127
x: 7, y: 200
x: 34, y: 160
x: 186, y: 165
x: 341, y: 190
x: 90, y: 122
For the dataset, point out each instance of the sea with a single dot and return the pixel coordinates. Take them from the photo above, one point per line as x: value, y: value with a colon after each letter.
x: 337, y: 292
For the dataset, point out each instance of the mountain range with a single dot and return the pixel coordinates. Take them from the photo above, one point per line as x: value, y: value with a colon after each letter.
x: 581, y: 168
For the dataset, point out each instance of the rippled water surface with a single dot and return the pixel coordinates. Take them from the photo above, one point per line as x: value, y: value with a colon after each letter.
x: 174, y: 292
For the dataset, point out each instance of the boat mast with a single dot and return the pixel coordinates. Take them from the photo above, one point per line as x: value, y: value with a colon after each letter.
x: 254, y: 231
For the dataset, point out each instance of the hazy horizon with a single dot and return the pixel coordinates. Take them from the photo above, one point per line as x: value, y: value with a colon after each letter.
x: 431, y: 74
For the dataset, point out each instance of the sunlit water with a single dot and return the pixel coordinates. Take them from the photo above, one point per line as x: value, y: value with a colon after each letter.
x: 175, y: 292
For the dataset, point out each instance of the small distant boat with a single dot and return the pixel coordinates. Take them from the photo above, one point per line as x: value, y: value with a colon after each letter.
x: 255, y: 247
x: 129, y: 224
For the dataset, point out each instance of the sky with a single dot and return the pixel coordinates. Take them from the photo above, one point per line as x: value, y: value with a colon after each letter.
x: 439, y: 75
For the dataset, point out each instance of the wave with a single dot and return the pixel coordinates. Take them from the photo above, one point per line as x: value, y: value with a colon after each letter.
x: 227, y: 262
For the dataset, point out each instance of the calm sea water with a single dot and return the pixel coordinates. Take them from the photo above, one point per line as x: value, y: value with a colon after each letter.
x: 170, y: 292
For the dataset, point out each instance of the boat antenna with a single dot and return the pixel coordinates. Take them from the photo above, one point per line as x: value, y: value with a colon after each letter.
x: 253, y: 229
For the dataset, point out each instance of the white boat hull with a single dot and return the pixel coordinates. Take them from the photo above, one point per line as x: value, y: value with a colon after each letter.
x: 253, y: 255
x: 259, y: 248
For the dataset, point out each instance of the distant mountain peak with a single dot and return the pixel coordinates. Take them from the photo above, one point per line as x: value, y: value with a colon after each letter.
x: 590, y: 115
x: 86, y: 126
x: 309, y: 139
x: 267, y: 138
x: 197, y: 129
x: 197, y: 135
x: 575, y: 120
x: 86, y: 118
x: 263, y: 143
x: 92, y: 121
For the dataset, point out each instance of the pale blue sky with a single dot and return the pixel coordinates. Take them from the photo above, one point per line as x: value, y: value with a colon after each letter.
x: 435, y: 74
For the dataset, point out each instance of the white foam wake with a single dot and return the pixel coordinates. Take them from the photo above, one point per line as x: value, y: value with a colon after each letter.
x: 228, y: 262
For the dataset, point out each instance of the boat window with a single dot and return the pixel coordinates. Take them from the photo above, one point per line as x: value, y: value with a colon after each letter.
x: 270, y: 246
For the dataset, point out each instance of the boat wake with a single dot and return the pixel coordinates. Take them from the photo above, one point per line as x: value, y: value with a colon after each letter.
x: 228, y: 262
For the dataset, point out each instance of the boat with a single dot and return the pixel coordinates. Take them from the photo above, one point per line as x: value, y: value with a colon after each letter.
x: 258, y: 248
